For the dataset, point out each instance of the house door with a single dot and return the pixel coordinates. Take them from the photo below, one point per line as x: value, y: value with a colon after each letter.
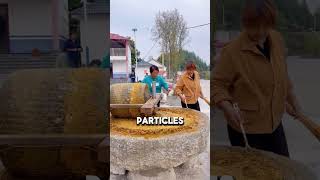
x: 4, y: 29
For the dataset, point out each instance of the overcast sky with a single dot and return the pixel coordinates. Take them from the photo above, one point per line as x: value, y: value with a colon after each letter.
x: 128, y: 14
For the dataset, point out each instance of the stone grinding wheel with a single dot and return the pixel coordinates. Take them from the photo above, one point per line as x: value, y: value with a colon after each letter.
x: 256, y: 164
x: 128, y: 93
x: 53, y: 101
x: 137, y: 148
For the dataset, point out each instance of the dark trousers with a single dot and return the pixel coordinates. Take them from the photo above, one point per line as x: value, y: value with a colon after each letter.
x: 275, y: 142
x: 195, y: 106
x: 74, y: 63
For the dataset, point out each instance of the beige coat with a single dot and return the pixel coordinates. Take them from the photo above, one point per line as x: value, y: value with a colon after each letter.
x: 244, y: 75
x: 190, y: 88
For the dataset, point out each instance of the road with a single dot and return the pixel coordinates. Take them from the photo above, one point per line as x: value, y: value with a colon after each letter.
x: 204, y: 158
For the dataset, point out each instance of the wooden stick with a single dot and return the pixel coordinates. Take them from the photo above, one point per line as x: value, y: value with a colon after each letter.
x: 206, y: 100
x: 125, y: 106
x: 148, y: 107
x: 313, y: 127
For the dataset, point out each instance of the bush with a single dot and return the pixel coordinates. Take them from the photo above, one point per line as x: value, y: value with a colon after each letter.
x: 305, y: 44
x: 312, y: 45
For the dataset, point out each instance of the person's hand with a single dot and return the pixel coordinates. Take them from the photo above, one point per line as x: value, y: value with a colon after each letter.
x: 183, y: 98
x: 232, y: 116
x: 293, y: 110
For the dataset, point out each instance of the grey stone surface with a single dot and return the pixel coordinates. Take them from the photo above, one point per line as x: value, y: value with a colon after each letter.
x: 136, y: 154
x: 153, y: 174
x: 117, y: 169
x: 190, y: 170
x: 117, y: 177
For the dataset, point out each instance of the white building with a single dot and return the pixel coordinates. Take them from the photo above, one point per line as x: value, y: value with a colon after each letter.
x: 162, y: 68
x: 143, y: 68
x: 94, y: 34
x: 120, y: 57
x: 40, y: 24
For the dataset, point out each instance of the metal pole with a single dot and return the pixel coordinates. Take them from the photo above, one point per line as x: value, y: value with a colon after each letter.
x: 223, y: 13
x: 162, y: 58
x: 315, y: 22
x: 85, y: 31
x: 54, y: 25
x: 223, y: 19
x: 169, y: 69
x: 135, y: 51
x: 135, y: 45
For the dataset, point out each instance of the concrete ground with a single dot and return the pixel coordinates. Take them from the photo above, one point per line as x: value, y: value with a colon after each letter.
x: 303, y: 146
x: 204, y: 157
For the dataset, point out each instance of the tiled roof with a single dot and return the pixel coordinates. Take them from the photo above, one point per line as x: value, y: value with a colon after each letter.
x: 117, y: 37
x: 144, y: 64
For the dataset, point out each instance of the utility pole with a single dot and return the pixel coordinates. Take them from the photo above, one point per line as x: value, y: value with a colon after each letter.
x: 169, y: 65
x: 223, y: 13
x: 135, y: 46
x: 315, y: 22
x: 86, y: 31
x: 162, y: 59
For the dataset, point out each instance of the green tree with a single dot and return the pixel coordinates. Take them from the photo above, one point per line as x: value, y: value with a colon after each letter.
x: 133, y: 54
x: 170, y: 31
x: 186, y: 56
x: 292, y: 15
x: 74, y: 4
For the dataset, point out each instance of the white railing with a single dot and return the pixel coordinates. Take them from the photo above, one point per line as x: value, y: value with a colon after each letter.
x: 118, y: 51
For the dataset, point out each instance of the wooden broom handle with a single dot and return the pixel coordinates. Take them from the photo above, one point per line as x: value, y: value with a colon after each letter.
x: 311, y: 125
x: 206, y: 100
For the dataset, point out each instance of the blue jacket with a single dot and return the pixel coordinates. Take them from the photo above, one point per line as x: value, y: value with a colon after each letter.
x: 160, y: 83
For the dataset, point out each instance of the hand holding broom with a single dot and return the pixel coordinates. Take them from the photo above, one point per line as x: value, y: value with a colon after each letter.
x: 313, y: 127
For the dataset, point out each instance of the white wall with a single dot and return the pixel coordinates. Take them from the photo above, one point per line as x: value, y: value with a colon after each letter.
x: 28, y: 18
x: 119, y: 67
x: 96, y: 37
x: 117, y: 58
x: 63, y: 18
x: 140, y: 72
x: 129, y: 59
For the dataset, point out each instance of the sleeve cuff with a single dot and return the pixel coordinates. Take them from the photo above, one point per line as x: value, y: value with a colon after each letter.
x: 219, y: 98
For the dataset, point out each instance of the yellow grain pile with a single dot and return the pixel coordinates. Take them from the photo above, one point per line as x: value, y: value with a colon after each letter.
x: 255, y: 165
x: 53, y: 101
x: 128, y: 126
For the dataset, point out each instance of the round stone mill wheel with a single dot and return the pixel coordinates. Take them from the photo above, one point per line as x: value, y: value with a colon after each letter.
x: 53, y: 101
x: 128, y: 93
x: 148, y: 150
x: 255, y: 164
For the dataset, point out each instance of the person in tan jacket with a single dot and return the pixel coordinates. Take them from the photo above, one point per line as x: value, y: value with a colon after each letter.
x: 188, y: 87
x: 252, y: 72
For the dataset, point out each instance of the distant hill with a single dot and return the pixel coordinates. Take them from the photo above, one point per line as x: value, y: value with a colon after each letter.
x: 294, y: 15
x: 179, y: 63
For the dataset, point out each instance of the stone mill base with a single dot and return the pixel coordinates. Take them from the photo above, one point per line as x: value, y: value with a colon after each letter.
x: 187, y: 171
